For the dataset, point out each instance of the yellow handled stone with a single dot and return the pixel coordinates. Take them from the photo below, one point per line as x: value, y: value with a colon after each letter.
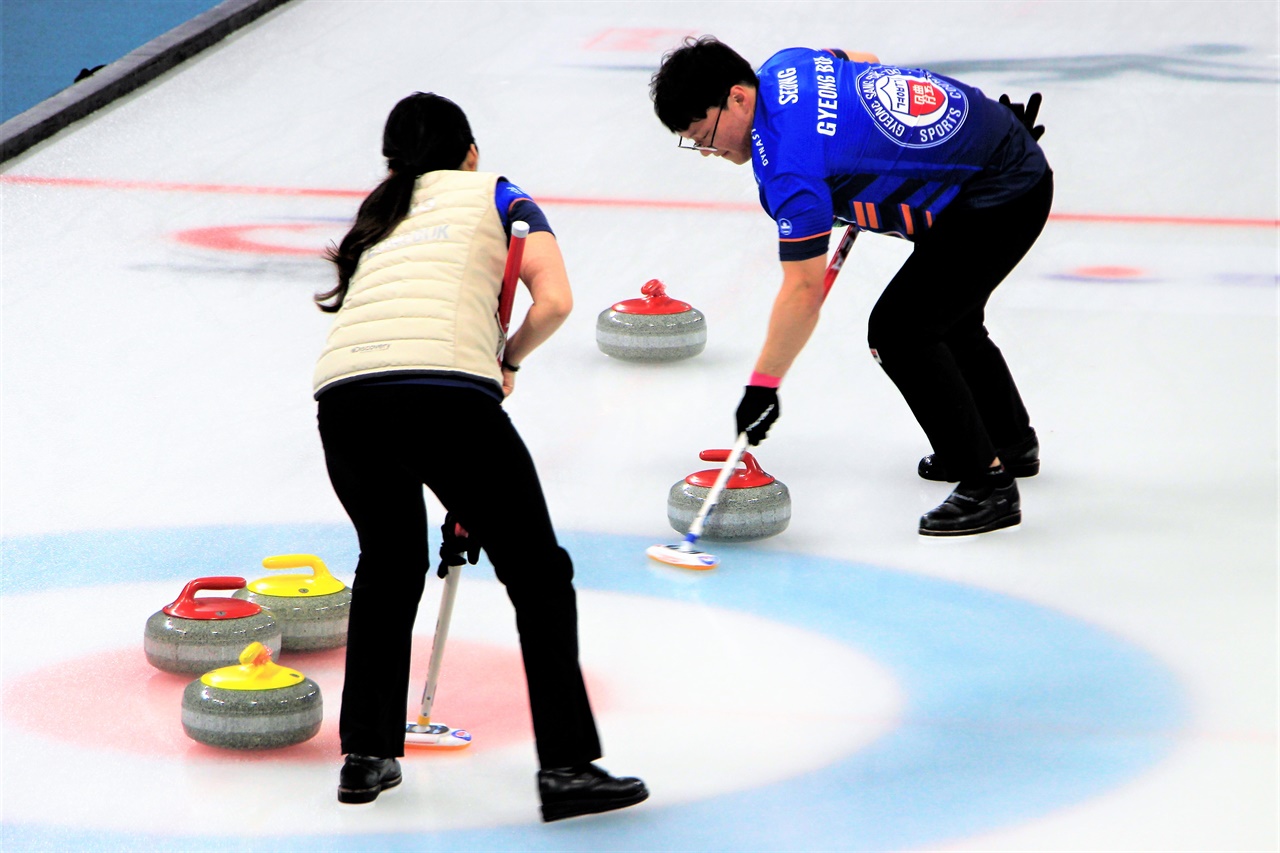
x: 319, y: 582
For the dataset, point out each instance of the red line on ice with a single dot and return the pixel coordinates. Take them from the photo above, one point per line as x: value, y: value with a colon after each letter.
x: 660, y: 204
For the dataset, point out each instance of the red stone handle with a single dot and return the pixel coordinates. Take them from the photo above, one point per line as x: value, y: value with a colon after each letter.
x: 721, y: 455
x: 654, y: 288
x: 221, y: 582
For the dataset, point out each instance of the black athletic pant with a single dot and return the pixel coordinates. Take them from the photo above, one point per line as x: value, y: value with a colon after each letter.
x: 382, y: 443
x: 927, y: 329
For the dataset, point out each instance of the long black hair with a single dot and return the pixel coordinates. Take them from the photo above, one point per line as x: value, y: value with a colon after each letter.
x: 424, y: 132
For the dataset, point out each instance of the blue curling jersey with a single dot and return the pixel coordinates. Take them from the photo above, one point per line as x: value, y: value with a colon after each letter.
x: 881, y: 148
x: 515, y: 204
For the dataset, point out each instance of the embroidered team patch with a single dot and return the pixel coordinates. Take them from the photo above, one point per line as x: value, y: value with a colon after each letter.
x: 912, y: 107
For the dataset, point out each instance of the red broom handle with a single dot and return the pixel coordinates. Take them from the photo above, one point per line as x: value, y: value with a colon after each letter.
x: 511, y: 275
x: 837, y: 260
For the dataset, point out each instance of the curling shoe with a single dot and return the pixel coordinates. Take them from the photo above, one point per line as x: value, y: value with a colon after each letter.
x: 363, y: 777
x: 1020, y: 460
x: 574, y: 791
x: 989, y: 502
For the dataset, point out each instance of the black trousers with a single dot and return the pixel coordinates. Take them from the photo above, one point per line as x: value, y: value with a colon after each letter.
x: 382, y: 443
x: 928, y: 329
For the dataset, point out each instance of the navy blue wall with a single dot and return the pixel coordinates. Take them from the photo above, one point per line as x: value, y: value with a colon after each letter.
x: 45, y: 43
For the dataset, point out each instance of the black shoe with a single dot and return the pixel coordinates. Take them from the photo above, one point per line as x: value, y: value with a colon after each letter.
x: 363, y: 777
x: 988, y: 503
x: 1020, y: 460
x: 573, y: 791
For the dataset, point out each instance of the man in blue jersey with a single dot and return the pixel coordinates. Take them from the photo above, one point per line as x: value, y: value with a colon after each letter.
x: 837, y: 137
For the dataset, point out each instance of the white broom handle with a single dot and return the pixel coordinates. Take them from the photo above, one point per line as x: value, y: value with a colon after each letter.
x: 740, y: 446
x: 735, y: 455
x: 437, y: 643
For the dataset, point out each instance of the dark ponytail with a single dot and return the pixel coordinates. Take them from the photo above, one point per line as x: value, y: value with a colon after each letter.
x: 424, y: 133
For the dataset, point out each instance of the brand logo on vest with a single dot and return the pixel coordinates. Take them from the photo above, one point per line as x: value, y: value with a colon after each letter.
x: 424, y: 206
x: 430, y: 234
x: 370, y: 347
x: 912, y: 107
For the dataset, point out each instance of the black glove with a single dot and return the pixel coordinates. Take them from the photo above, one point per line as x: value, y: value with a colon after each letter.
x: 1027, y: 114
x: 757, y: 412
x: 455, y: 541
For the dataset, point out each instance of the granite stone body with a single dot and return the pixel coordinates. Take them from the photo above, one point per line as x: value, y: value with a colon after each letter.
x: 753, y: 504
x: 192, y: 646
x: 252, y: 719
x: 653, y: 328
x: 193, y: 634
x: 651, y: 337
x: 739, y: 514
x: 307, y: 623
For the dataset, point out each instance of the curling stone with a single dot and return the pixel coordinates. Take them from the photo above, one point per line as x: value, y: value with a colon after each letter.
x: 753, y: 505
x: 194, y: 635
x: 312, y: 609
x: 654, y: 328
x: 256, y: 704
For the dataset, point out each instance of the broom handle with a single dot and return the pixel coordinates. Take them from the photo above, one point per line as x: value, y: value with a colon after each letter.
x: 837, y: 260
x: 511, y: 275
x: 437, y: 643
x: 510, y: 278
x: 739, y: 448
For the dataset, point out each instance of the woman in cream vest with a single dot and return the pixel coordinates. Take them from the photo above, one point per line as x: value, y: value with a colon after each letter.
x: 410, y: 387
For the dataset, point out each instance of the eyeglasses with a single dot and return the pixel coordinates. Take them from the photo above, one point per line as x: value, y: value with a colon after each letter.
x: 710, y: 146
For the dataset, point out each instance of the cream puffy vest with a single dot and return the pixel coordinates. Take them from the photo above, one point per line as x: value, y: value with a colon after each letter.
x: 424, y: 301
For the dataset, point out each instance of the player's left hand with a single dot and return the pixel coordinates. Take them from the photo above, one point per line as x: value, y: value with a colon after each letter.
x: 1027, y: 114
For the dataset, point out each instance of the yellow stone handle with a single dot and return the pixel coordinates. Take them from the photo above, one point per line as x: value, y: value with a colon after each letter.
x: 255, y: 654
x: 298, y: 561
x: 257, y: 671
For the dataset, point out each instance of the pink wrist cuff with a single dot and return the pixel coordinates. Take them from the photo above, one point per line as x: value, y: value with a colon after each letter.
x: 765, y: 380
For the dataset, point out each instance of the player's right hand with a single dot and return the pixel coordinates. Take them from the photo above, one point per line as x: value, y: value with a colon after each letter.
x: 454, y: 543
x: 1027, y: 114
x: 757, y: 412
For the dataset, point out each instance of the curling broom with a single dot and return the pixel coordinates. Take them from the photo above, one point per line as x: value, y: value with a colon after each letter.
x: 423, y: 733
x: 684, y: 554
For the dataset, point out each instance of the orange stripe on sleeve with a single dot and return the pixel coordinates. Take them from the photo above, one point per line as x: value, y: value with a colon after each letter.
x: 872, y: 218
x: 859, y: 214
x: 802, y: 239
x: 906, y: 217
x: 928, y: 218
